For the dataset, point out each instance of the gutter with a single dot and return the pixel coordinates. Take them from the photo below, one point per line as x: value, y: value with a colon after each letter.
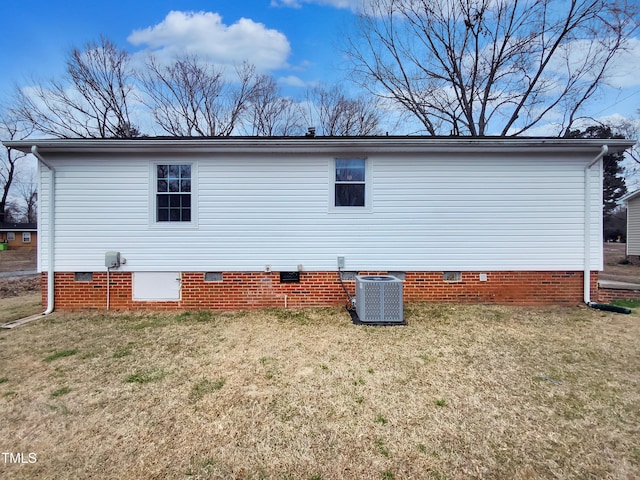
x: 587, y: 226
x: 50, y: 236
x: 317, y: 145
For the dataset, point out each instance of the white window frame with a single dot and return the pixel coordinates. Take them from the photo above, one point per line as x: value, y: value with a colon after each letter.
x: 11, y: 236
x: 26, y: 237
x: 368, y: 167
x: 153, y: 171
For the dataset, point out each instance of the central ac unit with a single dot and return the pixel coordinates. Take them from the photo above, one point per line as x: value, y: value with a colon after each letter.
x: 379, y: 299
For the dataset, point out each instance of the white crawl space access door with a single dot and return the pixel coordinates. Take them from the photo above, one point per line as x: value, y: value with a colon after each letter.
x: 156, y: 286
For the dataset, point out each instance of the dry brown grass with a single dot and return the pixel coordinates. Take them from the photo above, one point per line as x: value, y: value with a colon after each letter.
x: 17, y: 259
x: 14, y: 308
x: 617, y: 265
x: 461, y: 392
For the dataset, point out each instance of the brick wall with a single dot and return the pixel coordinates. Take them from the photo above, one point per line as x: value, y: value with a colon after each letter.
x: 516, y: 288
x: 17, y: 243
x: 252, y: 290
x: 606, y: 295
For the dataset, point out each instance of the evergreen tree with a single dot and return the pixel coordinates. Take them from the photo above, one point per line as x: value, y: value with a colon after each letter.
x: 614, y: 186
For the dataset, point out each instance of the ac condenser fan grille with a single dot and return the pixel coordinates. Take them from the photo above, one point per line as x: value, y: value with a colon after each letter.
x: 379, y: 299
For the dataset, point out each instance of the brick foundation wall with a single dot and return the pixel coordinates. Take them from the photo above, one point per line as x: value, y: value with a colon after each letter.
x: 606, y: 295
x: 254, y: 290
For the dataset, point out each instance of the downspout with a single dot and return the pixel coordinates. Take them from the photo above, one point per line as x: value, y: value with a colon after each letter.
x: 50, y: 236
x: 587, y: 225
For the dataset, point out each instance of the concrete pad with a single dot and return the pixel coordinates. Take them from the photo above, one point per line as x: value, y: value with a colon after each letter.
x: 615, y: 285
x: 22, y: 321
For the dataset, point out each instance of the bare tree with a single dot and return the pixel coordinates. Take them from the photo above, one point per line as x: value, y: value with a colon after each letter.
x: 12, y: 212
x: 26, y: 188
x: 473, y: 67
x: 270, y: 113
x: 339, y: 115
x: 192, y: 98
x: 91, y: 102
x: 9, y: 157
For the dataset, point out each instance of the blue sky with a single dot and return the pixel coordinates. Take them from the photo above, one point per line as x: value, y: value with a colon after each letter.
x: 294, y: 40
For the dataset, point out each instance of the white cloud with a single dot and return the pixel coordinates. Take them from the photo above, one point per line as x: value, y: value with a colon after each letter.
x: 579, y: 55
x: 624, y: 68
x: 354, y: 5
x: 295, y: 81
x: 204, y: 34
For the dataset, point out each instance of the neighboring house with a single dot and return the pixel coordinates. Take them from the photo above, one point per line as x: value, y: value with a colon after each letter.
x: 633, y: 223
x: 22, y: 236
x: 237, y: 222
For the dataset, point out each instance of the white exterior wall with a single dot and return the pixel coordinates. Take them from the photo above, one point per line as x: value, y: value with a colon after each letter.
x: 633, y: 226
x: 430, y: 212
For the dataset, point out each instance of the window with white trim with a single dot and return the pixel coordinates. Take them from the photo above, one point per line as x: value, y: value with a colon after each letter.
x: 11, y: 236
x: 26, y: 237
x: 350, y: 182
x: 173, y: 202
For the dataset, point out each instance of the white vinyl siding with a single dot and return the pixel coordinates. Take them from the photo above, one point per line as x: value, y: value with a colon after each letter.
x: 433, y: 212
x: 633, y: 226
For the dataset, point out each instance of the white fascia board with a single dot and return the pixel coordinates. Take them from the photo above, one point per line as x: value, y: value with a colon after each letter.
x: 337, y: 145
x: 630, y: 196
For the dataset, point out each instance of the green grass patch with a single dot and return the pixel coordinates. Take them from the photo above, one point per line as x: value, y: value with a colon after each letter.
x: 122, y: 352
x: 196, y: 316
x: 4, y: 380
x: 61, y: 354
x: 382, y: 449
x: 60, y: 392
x: 299, y: 317
x: 626, y: 303
x: 146, y: 376
x: 270, y: 365
x: 204, y: 387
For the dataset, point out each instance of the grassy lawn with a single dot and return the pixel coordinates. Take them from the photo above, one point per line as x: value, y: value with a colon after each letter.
x: 461, y: 392
x: 14, y: 308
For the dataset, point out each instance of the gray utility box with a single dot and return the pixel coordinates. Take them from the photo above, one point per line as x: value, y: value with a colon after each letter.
x: 112, y: 259
x: 379, y: 299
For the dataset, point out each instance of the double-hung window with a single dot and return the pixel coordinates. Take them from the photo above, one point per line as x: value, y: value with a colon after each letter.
x: 173, y: 193
x: 350, y: 182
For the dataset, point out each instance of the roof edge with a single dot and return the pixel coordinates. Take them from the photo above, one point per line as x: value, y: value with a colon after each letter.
x: 630, y: 196
x: 309, y: 144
